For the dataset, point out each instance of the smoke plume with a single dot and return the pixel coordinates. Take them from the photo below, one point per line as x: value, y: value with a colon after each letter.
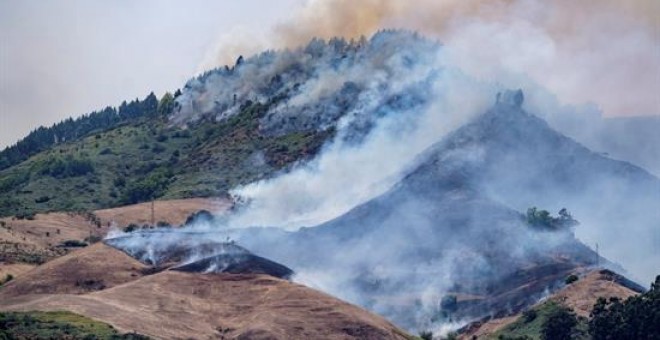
x: 605, y: 52
x: 389, y: 218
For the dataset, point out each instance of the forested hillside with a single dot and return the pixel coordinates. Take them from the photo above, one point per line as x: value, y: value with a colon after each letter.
x: 226, y: 127
x: 71, y: 130
x: 145, y: 157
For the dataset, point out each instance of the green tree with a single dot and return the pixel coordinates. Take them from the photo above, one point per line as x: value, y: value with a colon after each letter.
x: 638, y: 317
x: 166, y: 104
x: 559, y: 324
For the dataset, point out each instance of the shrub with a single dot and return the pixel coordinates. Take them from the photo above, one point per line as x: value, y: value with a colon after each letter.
x: 131, y: 227
x: 559, y: 324
x: 93, y: 239
x: 7, y: 278
x: 119, y: 182
x: 27, y: 215
x: 73, y: 244
x: 148, y: 188
x: 157, y: 148
x: 200, y: 216
x: 635, y: 318
x: 68, y: 166
x: 426, y: 335
x: 541, y: 219
x: 570, y: 279
x: 529, y: 315
x: 42, y: 199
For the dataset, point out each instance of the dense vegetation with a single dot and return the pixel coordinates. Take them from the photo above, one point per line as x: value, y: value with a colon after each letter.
x: 73, y: 129
x: 57, y: 325
x: 543, y: 220
x: 638, y: 317
x: 549, y: 320
x: 145, y: 157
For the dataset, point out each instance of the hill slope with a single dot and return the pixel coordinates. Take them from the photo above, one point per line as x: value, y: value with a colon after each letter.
x: 449, y: 228
x: 228, y: 127
x: 580, y: 296
x: 172, y: 304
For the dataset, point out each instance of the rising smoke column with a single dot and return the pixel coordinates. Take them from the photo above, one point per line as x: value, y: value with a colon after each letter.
x: 598, y: 51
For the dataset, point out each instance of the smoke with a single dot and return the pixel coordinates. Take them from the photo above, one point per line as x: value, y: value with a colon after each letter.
x: 396, y: 246
x: 604, y: 52
x: 347, y: 174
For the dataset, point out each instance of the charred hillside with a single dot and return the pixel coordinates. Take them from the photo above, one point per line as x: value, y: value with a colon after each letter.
x: 455, y: 224
x: 194, y: 253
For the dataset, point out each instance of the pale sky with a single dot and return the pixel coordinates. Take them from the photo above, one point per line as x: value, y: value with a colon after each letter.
x: 66, y: 58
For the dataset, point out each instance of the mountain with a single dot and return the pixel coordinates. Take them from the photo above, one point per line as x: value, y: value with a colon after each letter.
x: 450, y: 226
x: 463, y: 234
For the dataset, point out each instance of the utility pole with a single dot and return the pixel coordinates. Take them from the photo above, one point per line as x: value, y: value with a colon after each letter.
x: 153, y: 214
x: 597, y: 256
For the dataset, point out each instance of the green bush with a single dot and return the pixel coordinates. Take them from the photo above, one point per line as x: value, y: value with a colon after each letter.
x: 131, y: 227
x: 570, y: 279
x: 63, y: 167
x: 57, y: 325
x: 559, y: 324
x: 426, y: 335
x: 42, y: 199
x: 73, y: 244
x: 529, y: 315
x: 541, y: 219
x: 638, y: 317
x: 106, y: 151
x: 158, y: 148
x: 148, y: 188
x: 7, y: 278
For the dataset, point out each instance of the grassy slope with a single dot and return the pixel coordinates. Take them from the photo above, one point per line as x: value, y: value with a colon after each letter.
x: 524, y: 328
x: 56, y: 325
x: 207, y: 159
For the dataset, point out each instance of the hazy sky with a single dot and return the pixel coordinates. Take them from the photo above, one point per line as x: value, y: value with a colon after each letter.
x: 66, y: 58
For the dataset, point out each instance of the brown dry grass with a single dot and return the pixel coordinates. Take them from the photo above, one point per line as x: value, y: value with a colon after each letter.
x: 14, y: 269
x: 38, y: 240
x: 173, y: 212
x: 582, y: 294
x: 47, y: 230
x: 177, y: 305
x: 88, y: 269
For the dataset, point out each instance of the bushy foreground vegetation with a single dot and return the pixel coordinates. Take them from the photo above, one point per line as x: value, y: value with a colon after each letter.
x: 637, y: 317
x: 57, y: 325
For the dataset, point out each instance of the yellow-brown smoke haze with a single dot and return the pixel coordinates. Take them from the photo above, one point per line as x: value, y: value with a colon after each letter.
x: 601, y: 51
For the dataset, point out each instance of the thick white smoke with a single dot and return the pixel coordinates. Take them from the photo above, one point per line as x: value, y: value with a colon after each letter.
x: 346, y: 174
x: 600, y: 51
